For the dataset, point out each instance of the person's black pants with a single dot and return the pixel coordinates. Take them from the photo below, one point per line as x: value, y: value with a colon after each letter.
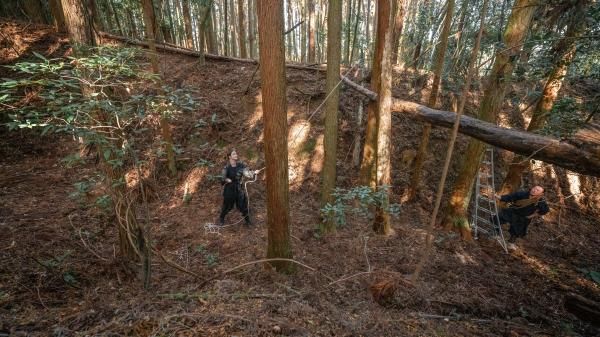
x: 518, y: 224
x: 239, y: 200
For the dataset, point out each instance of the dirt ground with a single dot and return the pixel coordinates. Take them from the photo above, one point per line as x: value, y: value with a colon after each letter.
x: 60, y: 274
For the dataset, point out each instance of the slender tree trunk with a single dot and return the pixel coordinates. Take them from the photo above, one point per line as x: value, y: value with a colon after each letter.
x: 169, y: 27
x: 382, y: 82
x: 459, y: 32
x: 132, y: 26
x: 211, y: 38
x: 493, y: 97
x: 225, y: 30
x: 203, y: 23
x: 367, y: 31
x: 348, y: 27
x: 242, y: 30
x: 187, y: 23
x: 355, y: 36
x: 251, y: 31
x: 398, y: 21
x: 116, y: 16
x: 438, y: 68
x: 58, y: 17
x: 33, y: 10
x: 233, y: 29
x: 334, y: 43
x: 272, y: 74
x: 311, y: 31
x: 564, y: 52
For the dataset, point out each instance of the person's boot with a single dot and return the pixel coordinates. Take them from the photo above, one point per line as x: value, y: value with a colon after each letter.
x: 248, y: 222
x: 221, y: 221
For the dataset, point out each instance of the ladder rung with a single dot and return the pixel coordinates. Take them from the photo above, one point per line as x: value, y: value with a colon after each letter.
x: 484, y: 198
x: 486, y: 162
x: 484, y: 220
x: 485, y: 210
x: 487, y: 175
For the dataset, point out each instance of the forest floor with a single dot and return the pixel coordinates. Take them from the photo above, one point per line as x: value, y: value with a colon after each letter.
x: 60, y: 274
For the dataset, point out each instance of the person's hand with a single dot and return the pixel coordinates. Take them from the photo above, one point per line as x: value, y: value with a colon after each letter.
x: 256, y: 172
x: 532, y: 215
x: 227, y: 180
x: 497, y: 196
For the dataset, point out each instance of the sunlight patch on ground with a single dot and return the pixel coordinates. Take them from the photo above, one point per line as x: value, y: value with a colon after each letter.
x: 132, y: 178
x: 185, y: 191
x: 316, y: 164
x: 574, y: 185
x: 465, y: 258
x: 297, y: 137
x: 254, y: 107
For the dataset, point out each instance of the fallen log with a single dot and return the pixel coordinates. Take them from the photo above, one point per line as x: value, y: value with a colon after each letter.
x: 189, y: 52
x: 582, y: 155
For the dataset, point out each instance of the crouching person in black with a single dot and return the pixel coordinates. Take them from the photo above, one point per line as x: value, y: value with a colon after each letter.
x: 233, y: 190
x: 523, y: 207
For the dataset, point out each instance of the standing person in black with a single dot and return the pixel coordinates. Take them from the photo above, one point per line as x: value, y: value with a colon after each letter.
x: 233, y: 190
x: 523, y: 207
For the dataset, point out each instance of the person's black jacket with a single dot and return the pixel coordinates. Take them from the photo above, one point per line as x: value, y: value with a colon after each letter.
x: 231, y: 190
x: 540, y: 206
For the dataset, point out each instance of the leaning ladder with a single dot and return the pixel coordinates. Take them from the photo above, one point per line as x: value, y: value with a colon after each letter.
x: 485, y: 201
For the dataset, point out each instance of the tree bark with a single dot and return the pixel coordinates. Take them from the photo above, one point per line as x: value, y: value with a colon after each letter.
x: 311, y: 31
x: 272, y: 74
x: 33, y: 10
x: 113, y: 12
x: 375, y: 168
x: 242, y: 30
x: 438, y: 68
x: 355, y: 35
x: 187, y: 23
x: 564, y: 52
x: 251, y: 31
x: 203, y: 23
x: 334, y: 43
x: 398, y: 21
x: 79, y: 28
x: 225, y: 29
x: 58, y: 16
x: 211, y: 37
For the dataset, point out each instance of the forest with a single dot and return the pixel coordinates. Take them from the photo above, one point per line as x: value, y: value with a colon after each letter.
x: 299, y: 168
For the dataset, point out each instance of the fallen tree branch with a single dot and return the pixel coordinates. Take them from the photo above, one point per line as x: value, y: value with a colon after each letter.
x: 583, y: 157
x: 184, y: 51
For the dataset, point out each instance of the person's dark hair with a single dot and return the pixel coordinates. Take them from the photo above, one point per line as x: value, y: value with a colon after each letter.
x: 231, y: 150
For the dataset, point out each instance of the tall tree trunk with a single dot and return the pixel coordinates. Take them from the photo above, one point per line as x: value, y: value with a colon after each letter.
x: 355, y: 35
x: 311, y: 31
x: 187, y: 23
x: 58, y: 17
x: 367, y: 31
x: 438, y: 68
x: 132, y: 26
x: 398, y: 21
x: 167, y: 24
x: 225, y: 30
x: 116, y: 16
x: 564, y: 51
x: 459, y: 33
x: 272, y: 74
x: 334, y: 44
x: 251, y: 31
x: 211, y: 37
x: 493, y: 97
x: 233, y: 30
x: 79, y: 28
x: 242, y: 30
x: 382, y: 82
x: 203, y: 23
x: 34, y: 11
x: 348, y: 30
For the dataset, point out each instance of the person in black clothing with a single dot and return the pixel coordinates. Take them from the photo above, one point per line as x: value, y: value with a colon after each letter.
x: 233, y: 190
x: 523, y: 206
